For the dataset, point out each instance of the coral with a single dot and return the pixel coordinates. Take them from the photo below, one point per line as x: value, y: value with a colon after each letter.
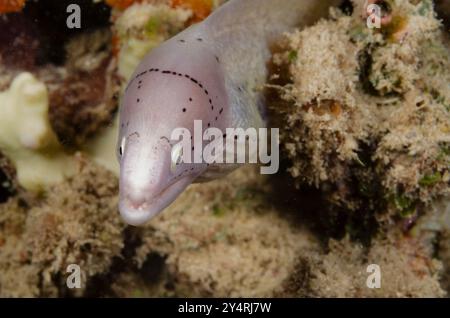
x: 76, y: 222
x: 77, y: 73
x: 433, y: 231
x: 142, y: 27
x: 76, y: 65
x: 7, y: 6
x: 120, y: 4
x: 84, y: 99
x: 444, y: 255
x: 366, y: 111
x: 200, y: 8
x: 406, y: 270
x: 8, y: 180
x: 27, y: 138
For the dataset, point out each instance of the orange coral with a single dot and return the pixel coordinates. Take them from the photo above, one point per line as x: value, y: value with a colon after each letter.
x: 200, y: 8
x: 115, y: 44
x: 7, y: 6
x: 121, y: 4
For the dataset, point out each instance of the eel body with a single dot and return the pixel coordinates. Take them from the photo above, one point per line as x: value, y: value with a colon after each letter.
x: 213, y: 72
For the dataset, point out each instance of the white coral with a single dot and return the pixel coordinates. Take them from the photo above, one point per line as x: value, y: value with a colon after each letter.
x: 26, y: 136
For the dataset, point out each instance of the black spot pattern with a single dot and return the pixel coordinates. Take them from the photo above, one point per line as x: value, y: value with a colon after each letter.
x: 168, y: 72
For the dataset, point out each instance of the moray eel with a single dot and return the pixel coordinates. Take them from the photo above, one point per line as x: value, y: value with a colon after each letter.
x: 213, y: 72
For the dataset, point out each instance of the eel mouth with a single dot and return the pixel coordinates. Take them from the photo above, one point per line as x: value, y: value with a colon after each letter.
x: 138, y: 213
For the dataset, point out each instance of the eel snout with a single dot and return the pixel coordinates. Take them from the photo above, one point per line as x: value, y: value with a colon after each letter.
x: 148, y: 186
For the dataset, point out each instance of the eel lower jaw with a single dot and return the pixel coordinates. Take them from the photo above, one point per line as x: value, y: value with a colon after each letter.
x: 138, y: 213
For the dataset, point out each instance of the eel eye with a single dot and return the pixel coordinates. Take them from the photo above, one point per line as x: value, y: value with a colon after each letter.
x: 122, y: 147
x: 176, y: 156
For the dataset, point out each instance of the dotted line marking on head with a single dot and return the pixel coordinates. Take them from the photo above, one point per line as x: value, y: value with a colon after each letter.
x: 187, y: 76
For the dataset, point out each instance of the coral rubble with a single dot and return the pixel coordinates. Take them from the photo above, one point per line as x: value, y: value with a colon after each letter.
x: 367, y: 110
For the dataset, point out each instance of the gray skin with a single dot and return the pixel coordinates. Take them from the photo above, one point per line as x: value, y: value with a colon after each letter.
x: 213, y: 72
